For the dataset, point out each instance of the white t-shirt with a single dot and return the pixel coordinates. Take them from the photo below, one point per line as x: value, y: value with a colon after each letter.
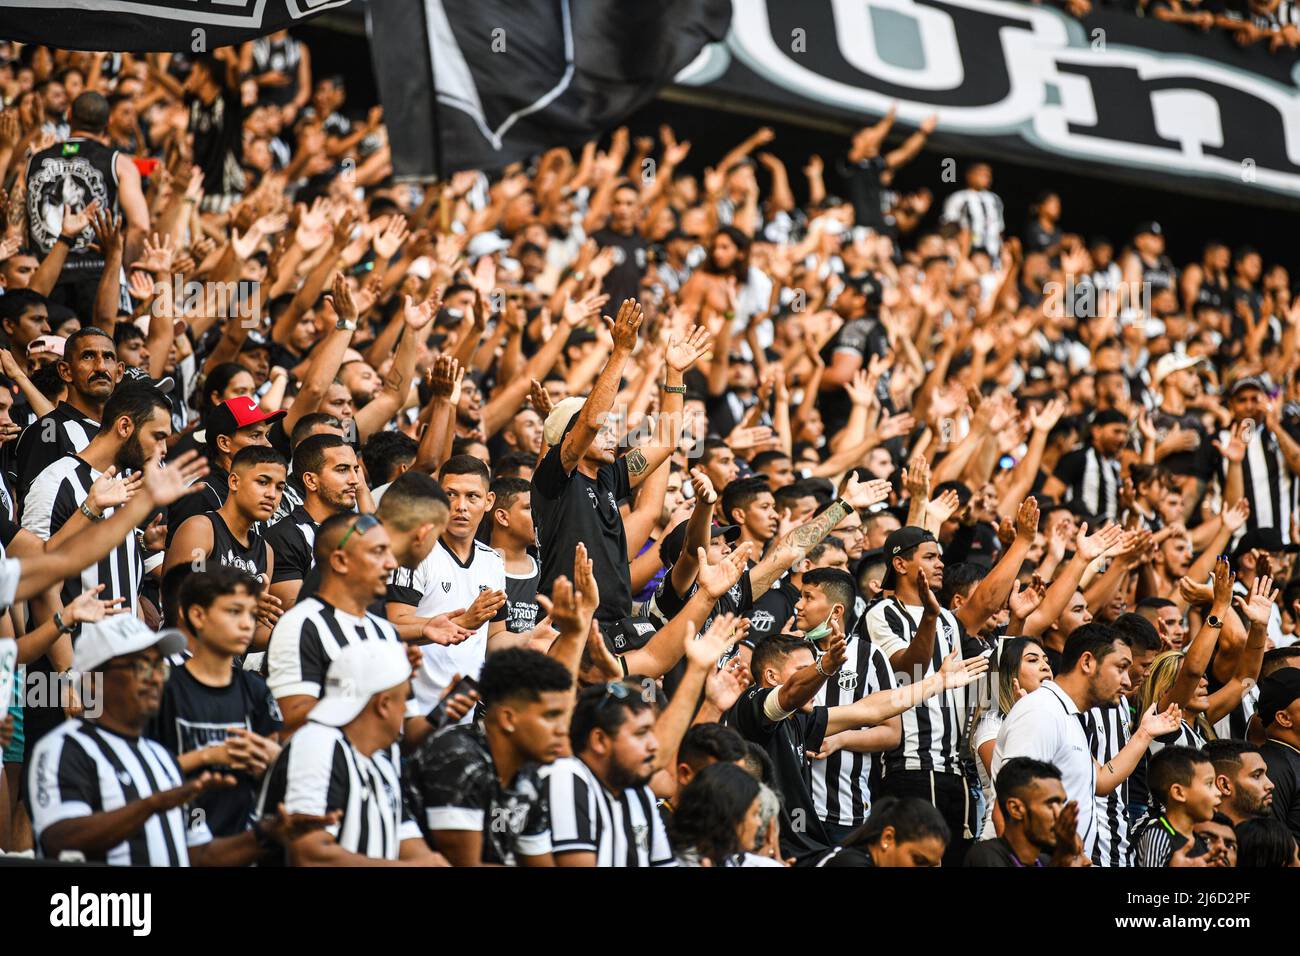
x: 446, y: 585
x: 990, y: 723
x: 1045, y: 725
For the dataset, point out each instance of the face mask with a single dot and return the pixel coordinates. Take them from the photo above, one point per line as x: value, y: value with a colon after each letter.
x: 819, y: 632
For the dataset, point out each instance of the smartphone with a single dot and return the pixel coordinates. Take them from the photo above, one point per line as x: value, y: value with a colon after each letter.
x: 438, y: 716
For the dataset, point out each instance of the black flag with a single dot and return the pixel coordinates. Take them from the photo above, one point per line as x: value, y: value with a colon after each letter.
x: 479, y: 84
x: 175, y: 26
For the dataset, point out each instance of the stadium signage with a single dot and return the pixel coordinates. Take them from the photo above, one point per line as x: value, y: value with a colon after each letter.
x: 1136, y: 96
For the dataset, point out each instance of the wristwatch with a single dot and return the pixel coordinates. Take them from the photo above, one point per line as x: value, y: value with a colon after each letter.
x: 346, y: 324
x: 673, y: 389
x: 85, y: 510
x: 1212, y: 621
x: 66, y: 240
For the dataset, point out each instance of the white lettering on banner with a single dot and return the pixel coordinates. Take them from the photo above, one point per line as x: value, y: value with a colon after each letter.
x: 1118, y: 105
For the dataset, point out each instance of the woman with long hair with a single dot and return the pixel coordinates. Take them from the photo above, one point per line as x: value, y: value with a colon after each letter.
x: 1022, y: 668
x: 1180, y: 677
x: 717, y: 819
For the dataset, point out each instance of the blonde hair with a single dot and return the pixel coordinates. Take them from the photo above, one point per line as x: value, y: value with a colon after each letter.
x: 1160, y: 678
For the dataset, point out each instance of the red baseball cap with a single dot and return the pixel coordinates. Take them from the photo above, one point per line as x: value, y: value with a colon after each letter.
x: 236, y: 413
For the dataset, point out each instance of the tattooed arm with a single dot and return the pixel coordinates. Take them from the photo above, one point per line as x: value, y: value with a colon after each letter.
x: 796, y: 544
x: 678, y: 357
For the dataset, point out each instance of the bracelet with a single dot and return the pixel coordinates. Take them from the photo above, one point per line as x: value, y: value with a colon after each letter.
x: 61, y: 626
x: 673, y: 389
x: 819, y: 667
x: 66, y: 240
x: 85, y: 510
x: 848, y: 508
x: 579, y: 275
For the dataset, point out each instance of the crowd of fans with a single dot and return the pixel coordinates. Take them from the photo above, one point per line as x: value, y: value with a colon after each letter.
x: 1273, y: 24
x: 603, y: 513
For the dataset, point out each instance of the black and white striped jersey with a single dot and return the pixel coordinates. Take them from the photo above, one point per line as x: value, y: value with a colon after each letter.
x: 64, y: 431
x: 932, y: 730
x: 980, y: 213
x: 622, y: 829
x: 1271, y: 488
x: 55, y: 496
x: 319, y: 771
x: 841, y: 783
x: 1092, y: 480
x: 81, y: 768
x: 307, y: 637
x: 1108, y: 732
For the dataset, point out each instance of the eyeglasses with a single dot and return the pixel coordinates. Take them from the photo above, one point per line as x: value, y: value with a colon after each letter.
x: 363, y: 524
x: 143, y: 670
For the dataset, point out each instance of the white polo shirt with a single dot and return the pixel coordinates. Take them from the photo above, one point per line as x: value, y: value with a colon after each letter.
x: 1046, y: 725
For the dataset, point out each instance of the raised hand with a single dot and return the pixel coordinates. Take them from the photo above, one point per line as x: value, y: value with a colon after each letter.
x: 1157, y: 725
x: 944, y: 507
x: 1262, y: 597
x: 1239, y: 437
x: 703, y: 487
x: 1090, y: 547
x: 88, y: 606
x: 1222, y: 582
x: 74, y: 223
x: 1027, y: 519
x: 540, y: 399
x: 1025, y: 598
x: 1233, y: 518
x: 163, y: 800
x: 417, y: 316
x: 586, y: 591
x: 958, y: 671
x: 717, y: 579
x: 724, y: 686
x: 682, y: 353
x: 173, y: 481
x: 445, y: 377
x: 626, y: 325
x: 387, y: 241
x: 929, y: 600
x: 916, y: 478
x: 1195, y: 592
x: 864, y: 494
x: 708, y: 648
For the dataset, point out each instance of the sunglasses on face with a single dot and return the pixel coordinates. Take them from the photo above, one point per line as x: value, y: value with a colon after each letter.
x: 143, y: 669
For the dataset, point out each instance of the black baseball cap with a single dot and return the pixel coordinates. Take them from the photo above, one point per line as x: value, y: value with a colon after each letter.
x: 1249, y: 381
x: 906, y: 538
x: 1262, y: 539
x: 1276, y: 692
x: 1148, y: 227
x: 670, y: 548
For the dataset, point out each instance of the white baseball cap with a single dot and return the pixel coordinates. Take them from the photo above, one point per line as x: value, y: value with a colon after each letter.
x: 558, y: 420
x: 120, y: 636
x: 1174, y: 362
x: 361, y: 671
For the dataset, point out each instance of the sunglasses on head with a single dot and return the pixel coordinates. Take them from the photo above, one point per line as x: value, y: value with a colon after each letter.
x: 363, y: 524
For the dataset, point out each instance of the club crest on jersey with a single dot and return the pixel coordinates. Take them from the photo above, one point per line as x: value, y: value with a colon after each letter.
x: 848, y: 679
x: 446, y: 587
x: 761, y: 621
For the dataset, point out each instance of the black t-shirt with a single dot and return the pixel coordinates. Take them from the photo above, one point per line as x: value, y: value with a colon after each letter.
x: 572, y: 509
x: 865, y: 192
x: 667, y: 604
x: 773, y: 609
x: 787, y: 742
x: 451, y: 781
x: 624, y: 280
x: 1199, y: 461
x: 209, y: 497
x: 292, y: 539
x: 194, y: 715
x: 229, y: 552
x: 218, y: 151
x: 847, y: 856
x: 521, y: 601
x: 864, y: 337
x: 1284, y: 770
x: 998, y: 852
